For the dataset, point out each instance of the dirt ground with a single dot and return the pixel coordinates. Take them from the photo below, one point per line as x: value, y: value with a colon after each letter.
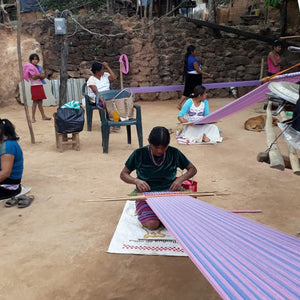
x: 56, y: 248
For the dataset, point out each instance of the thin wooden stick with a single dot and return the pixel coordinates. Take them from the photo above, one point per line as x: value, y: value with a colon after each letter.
x: 21, y: 73
x: 289, y: 37
x: 166, y: 194
x: 261, y: 68
x: 121, y: 76
x: 186, y: 123
x: 274, y: 77
x: 143, y: 198
x: 246, y: 211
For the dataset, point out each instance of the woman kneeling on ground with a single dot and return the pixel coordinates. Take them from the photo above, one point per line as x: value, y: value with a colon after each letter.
x: 194, y: 109
x: 11, y: 161
x: 156, y: 168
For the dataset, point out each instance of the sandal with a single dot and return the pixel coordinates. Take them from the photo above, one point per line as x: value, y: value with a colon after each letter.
x: 25, y: 201
x: 11, y: 202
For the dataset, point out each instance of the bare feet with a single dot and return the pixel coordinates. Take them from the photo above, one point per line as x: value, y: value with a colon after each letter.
x: 205, y: 139
x: 46, y: 118
x: 33, y: 121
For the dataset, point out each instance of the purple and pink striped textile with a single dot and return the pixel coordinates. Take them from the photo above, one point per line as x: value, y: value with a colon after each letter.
x: 242, y: 259
x: 247, y: 100
x: 144, y: 212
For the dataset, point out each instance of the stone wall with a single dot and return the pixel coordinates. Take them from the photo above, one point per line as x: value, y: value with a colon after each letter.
x: 155, y: 53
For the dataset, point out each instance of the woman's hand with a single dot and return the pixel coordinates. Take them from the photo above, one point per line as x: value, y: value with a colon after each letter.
x: 142, y: 186
x: 182, y: 120
x: 176, y: 185
x: 112, y: 76
x: 210, y: 75
x: 191, y: 171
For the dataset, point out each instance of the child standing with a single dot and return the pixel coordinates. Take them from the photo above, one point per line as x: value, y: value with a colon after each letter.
x: 274, y: 59
x: 33, y: 72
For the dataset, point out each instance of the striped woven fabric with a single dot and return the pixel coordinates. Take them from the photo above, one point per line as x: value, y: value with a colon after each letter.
x: 247, y: 100
x: 242, y: 259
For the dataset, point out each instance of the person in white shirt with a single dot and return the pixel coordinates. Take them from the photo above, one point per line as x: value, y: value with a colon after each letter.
x: 100, y: 80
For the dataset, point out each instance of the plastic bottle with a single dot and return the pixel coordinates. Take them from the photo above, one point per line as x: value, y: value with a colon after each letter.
x: 116, y: 116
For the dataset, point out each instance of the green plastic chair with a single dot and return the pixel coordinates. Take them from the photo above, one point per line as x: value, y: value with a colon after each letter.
x: 106, y: 123
x: 89, y: 108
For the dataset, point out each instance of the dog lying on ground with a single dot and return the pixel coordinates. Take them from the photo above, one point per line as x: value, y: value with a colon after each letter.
x: 258, y: 123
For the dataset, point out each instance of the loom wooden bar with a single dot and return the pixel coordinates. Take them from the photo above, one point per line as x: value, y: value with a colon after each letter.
x: 294, y: 160
x: 143, y: 198
x: 276, y: 160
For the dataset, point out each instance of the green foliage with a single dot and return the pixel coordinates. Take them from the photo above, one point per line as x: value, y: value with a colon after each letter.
x: 273, y: 3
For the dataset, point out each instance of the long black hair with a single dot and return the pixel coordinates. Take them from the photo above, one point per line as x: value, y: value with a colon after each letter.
x: 7, y: 129
x: 159, y: 136
x: 189, y: 51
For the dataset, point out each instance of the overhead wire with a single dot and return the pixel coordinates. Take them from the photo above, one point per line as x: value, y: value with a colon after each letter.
x: 150, y: 23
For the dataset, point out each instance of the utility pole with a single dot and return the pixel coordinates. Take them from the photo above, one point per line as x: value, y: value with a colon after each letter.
x: 61, y: 30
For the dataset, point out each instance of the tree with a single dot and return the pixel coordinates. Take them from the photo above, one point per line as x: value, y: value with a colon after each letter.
x: 283, y: 17
x: 282, y: 5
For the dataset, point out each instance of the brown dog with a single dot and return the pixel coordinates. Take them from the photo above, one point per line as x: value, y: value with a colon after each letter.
x: 258, y: 123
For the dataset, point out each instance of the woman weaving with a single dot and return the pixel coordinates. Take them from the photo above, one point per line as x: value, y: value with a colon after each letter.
x: 156, y: 168
x: 194, y: 109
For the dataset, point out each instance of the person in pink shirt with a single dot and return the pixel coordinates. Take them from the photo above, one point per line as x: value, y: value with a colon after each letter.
x: 33, y: 73
x: 274, y: 58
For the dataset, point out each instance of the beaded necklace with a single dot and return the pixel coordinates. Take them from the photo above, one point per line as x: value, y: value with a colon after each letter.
x: 152, y: 157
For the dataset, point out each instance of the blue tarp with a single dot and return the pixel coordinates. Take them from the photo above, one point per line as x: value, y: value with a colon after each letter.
x: 29, y: 6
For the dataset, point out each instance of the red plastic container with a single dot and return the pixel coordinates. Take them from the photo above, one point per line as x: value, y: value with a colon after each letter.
x: 190, y: 185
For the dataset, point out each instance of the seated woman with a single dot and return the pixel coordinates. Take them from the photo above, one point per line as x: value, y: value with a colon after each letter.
x: 193, y: 109
x: 11, y: 161
x: 100, y: 81
x: 156, y: 168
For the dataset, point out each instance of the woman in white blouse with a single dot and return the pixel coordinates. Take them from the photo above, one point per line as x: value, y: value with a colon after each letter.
x: 100, y: 80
